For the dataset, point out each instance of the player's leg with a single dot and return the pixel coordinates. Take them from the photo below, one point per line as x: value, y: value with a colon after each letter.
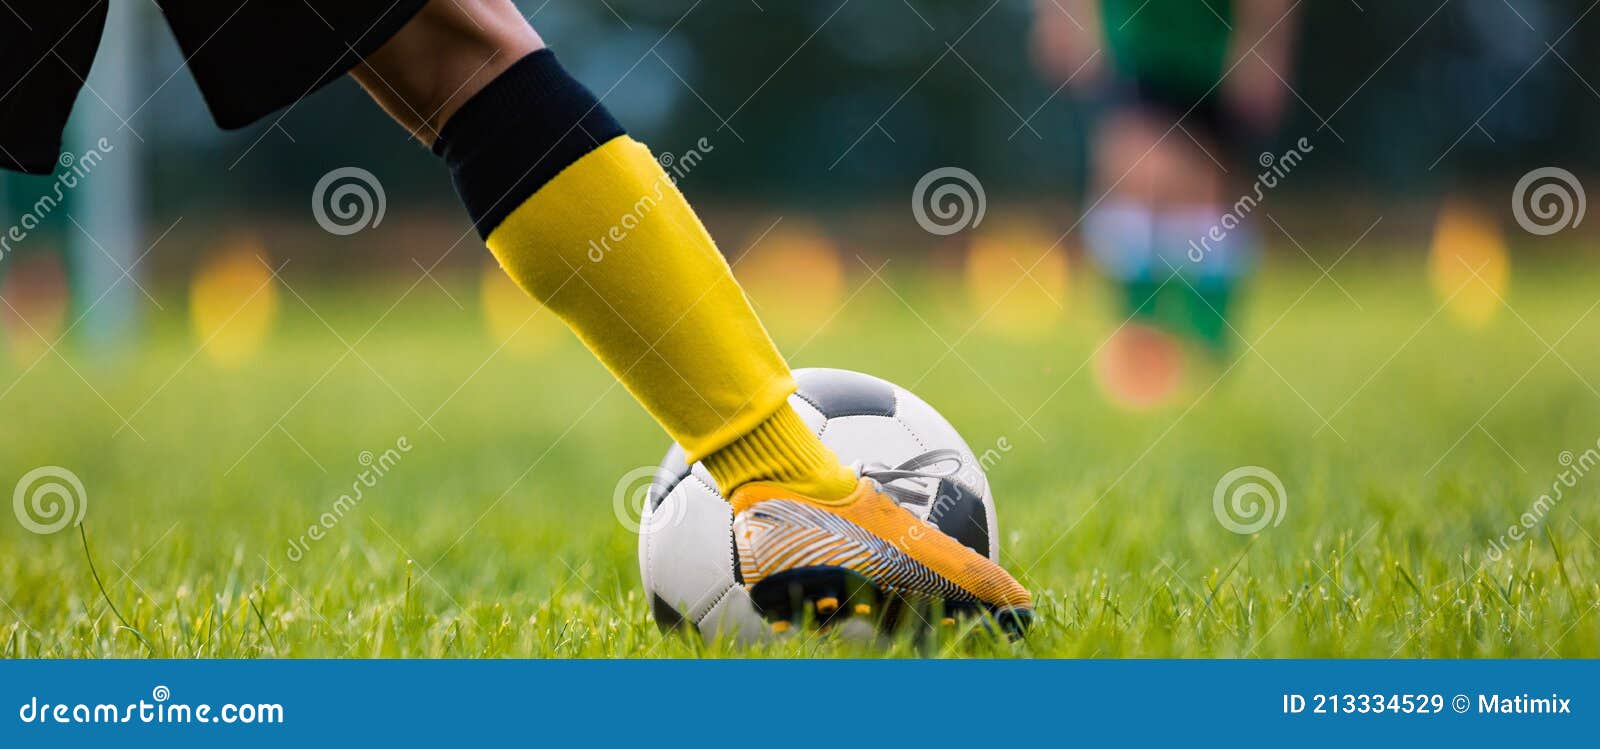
x: 1160, y: 191
x: 1129, y: 171
x: 587, y: 222
x: 469, y: 49
x: 1204, y: 235
x: 585, y: 219
x: 1132, y: 181
x: 578, y: 213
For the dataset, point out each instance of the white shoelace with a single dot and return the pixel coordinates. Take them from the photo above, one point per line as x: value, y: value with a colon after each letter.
x: 915, y: 468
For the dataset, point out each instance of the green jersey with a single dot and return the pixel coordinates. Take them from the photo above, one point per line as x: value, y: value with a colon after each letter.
x: 1178, y: 43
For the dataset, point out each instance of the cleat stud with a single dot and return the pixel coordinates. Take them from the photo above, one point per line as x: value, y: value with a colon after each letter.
x: 863, y: 609
x: 948, y: 621
x: 780, y: 627
x: 1014, y: 621
x: 826, y: 606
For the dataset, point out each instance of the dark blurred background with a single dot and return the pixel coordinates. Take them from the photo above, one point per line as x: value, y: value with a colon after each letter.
x: 837, y: 108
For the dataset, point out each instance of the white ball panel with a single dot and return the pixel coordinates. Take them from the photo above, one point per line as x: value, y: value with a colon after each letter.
x: 644, y: 551
x: 699, y: 471
x: 873, y: 439
x: 921, y: 419
x: 808, y: 413
x: 688, y: 547
x: 734, y: 616
x: 933, y: 428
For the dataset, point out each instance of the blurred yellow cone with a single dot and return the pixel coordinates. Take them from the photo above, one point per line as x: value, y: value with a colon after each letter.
x: 233, y: 302
x: 1017, y: 280
x: 794, y: 276
x: 514, y: 318
x: 1468, y: 265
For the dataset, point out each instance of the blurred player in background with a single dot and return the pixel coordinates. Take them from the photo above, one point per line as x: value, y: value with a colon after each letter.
x: 1180, y: 90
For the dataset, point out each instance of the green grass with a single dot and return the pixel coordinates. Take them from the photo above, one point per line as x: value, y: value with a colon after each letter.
x: 495, y: 535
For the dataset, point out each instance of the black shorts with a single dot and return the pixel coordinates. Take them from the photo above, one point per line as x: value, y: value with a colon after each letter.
x: 249, y: 57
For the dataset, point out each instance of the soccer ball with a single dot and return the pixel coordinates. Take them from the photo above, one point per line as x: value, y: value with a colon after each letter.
x: 686, y: 549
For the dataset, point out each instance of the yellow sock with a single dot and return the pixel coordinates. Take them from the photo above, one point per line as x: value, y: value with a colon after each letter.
x: 612, y: 247
x: 782, y: 450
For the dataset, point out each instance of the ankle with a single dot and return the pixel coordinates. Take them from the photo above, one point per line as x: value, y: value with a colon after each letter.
x: 782, y: 450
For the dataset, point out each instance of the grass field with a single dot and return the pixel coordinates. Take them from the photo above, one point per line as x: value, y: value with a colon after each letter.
x: 1406, y: 441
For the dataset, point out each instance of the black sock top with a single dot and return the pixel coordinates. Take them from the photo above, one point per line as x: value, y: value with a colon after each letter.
x: 517, y: 134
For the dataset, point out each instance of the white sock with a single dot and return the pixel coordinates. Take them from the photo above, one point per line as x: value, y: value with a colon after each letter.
x: 1198, y: 242
x: 1121, y: 239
